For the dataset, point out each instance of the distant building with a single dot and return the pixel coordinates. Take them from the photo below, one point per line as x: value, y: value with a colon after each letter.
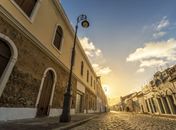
x: 102, y: 103
x: 157, y: 97
x: 36, y: 39
x: 160, y: 93
x: 126, y: 103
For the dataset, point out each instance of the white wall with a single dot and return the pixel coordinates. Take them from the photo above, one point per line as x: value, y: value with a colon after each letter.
x: 16, y: 113
x: 58, y: 112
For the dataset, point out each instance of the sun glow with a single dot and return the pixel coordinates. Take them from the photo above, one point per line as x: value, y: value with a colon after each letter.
x: 106, y: 89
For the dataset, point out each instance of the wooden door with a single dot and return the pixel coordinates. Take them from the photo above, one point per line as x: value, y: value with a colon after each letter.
x: 5, y: 55
x: 43, y: 106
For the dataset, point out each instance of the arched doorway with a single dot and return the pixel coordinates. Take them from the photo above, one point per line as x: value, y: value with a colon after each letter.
x: 45, y: 96
x: 5, y: 55
x: 8, y: 58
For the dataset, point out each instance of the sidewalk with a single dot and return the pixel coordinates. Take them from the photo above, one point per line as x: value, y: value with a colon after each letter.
x: 48, y: 123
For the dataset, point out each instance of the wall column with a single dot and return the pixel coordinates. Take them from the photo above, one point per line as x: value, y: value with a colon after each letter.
x: 158, y: 104
x: 166, y: 106
x: 153, y: 105
x: 174, y: 98
x: 148, y: 103
x: 171, y: 104
x: 163, y: 105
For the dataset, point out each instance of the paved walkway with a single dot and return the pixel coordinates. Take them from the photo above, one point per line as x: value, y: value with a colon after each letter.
x: 48, y: 123
x: 128, y: 121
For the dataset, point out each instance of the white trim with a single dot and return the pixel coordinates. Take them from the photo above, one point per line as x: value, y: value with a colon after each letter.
x: 24, y: 113
x: 91, y: 111
x: 62, y: 41
x: 72, y: 111
x: 58, y: 112
x: 35, y: 10
x: 41, y: 86
x: 55, y: 112
x: 14, y: 54
x: 16, y: 113
x: 33, y: 13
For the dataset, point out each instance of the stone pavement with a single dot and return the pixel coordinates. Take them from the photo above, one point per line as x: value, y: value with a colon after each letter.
x: 48, y: 123
x: 128, y: 121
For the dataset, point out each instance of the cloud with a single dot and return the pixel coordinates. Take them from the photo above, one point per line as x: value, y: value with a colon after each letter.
x: 87, y: 46
x: 162, y: 24
x: 159, y: 34
x: 140, y: 70
x: 151, y: 62
x: 154, y: 54
x: 159, y: 28
x: 98, y: 52
x: 104, y: 71
x: 95, y: 55
x: 101, y: 70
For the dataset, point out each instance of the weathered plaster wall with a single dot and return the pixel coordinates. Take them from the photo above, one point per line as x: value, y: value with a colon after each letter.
x: 23, y: 85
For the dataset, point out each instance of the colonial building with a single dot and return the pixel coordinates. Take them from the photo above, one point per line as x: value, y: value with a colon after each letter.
x: 160, y: 93
x: 36, y: 39
x: 102, y: 104
x: 157, y: 97
x: 129, y: 103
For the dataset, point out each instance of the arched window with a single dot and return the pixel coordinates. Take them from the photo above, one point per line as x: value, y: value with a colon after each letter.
x: 58, y: 38
x: 5, y: 55
x: 82, y: 68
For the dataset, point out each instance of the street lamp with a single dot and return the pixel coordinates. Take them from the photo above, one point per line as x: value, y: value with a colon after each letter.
x: 65, y: 116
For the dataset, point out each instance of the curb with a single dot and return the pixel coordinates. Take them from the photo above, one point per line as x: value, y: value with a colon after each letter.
x: 74, y: 124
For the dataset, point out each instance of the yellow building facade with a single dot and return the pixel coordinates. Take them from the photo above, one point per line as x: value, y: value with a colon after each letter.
x: 36, y: 39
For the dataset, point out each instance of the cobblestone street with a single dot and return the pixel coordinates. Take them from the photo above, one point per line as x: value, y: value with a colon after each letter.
x: 128, y: 121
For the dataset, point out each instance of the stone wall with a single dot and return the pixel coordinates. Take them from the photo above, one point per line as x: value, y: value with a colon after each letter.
x: 20, y: 91
x: 23, y: 85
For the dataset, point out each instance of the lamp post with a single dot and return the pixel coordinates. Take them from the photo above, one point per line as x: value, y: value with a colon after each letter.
x: 65, y: 116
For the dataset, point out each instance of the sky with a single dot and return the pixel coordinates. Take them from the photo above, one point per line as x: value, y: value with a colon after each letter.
x: 127, y: 41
